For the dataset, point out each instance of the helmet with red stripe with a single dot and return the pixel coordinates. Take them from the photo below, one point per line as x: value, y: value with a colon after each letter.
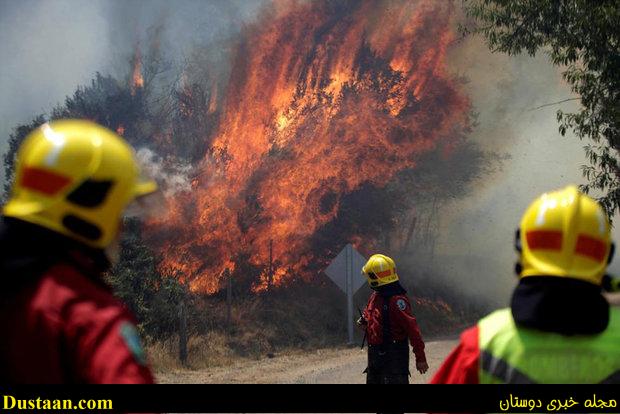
x: 380, y: 270
x: 566, y: 234
x: 76, y: 178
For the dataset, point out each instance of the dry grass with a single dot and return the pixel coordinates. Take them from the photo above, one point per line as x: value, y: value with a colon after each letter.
x: 206, y: 351
x: 259, y: 338
x: 300, y: 318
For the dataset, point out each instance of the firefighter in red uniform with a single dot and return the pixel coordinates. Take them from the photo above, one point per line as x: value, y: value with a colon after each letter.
x: 559, y: 327
x: 389, y: 324
x: 60, y: 321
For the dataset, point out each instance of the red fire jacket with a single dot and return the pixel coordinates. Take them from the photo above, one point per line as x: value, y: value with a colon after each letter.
x: 403, y: 324
x: 66, y: 328
x: 461, y: 366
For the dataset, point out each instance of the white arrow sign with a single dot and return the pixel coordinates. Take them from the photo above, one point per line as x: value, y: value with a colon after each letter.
x: 345, y: 270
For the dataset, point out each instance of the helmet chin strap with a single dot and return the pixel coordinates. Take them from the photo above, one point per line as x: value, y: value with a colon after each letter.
x: 518, y: 266
x: 518, y: 269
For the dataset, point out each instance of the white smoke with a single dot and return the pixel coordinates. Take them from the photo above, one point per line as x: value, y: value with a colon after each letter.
x: 475, y: 249
x: 172, y: 175
x: 48, y: 48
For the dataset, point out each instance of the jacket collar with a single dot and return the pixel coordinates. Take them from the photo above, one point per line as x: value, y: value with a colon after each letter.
x: 390, y: 289
x: 27, y: 250
x: 562, y: 305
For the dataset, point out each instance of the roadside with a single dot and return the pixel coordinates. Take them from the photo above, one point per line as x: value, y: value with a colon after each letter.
x: 323, y: 366
x: 329, y: 365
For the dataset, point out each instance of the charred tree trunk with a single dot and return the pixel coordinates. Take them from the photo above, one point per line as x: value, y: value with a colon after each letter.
x: 228, y: 277
x: 270, y: 274
x: 182, y: 333
x: 410, y: 232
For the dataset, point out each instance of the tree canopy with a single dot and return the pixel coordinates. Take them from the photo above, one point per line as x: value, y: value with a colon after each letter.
x: 582, y: 37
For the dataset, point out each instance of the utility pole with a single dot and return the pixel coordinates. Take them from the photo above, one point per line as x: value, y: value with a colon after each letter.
x: 182, y: 332
x: 228, y: 277
x: 270, y: 275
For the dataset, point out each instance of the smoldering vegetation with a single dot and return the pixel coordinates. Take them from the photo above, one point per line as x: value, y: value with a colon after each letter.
x: 176, y: 78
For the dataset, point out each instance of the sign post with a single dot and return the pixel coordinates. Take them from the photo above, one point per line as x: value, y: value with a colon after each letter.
x: 344, y: 272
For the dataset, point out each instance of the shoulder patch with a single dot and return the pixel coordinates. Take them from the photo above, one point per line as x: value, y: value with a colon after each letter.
x: 402, y: 305
x: 132, y: 340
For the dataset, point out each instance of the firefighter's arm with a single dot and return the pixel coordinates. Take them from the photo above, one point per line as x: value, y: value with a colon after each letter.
x: 403, y: 310
x: 365, y: 317
x: 461, y: 366
x: 107, y: 347
x: 361, y: 322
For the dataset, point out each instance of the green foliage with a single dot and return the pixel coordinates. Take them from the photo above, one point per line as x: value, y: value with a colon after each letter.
x: 15, y: 140
x: 105, y: 101
x: 110, y: 103
x: 583, y: 37
x: 152, y: 297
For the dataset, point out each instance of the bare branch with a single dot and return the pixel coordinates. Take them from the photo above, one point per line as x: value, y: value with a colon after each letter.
x: 553, y: 103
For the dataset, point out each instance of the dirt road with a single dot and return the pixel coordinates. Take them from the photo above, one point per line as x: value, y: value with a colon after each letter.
x: 335, y: 366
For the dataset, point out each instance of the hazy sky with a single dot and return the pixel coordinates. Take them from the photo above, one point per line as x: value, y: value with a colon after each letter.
x: 49, y: 47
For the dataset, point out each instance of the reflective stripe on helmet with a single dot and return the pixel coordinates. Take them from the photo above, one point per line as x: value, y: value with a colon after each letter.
x: 544, y: 239
x: 43, y: 181
x: 385, y: 273
x: 591, y: 247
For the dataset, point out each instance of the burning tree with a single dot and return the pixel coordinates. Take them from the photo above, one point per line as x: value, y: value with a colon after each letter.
x: 324, y: 99
x: 330, y: 122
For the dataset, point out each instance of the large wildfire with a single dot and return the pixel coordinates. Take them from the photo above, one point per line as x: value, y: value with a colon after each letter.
x: 323, y: 98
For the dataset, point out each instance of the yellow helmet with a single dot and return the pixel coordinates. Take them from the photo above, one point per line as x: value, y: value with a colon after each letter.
x: 565, y: 234
x: 76, y: 178
x: 380, y: 270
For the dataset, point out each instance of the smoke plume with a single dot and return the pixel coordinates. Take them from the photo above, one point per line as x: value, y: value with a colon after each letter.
x: 46, y: 55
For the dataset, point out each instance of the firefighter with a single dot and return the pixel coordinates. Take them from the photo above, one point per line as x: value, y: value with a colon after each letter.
x: 60, y: 321
x: 559, y: 327
x: 389, y: 323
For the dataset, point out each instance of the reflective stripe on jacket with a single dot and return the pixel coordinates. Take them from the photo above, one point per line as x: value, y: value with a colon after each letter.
x: 518, y: 355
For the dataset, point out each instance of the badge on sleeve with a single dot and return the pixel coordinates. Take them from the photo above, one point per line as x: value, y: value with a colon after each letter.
x: 401, y: 304
x: 132, y: 340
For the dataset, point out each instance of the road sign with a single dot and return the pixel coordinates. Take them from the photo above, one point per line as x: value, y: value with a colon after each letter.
x: 345, y: 270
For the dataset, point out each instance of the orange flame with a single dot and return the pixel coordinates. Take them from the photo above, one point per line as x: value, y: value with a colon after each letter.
x: 320, y: 102
x: 137, y: 81
x: 436, y: 304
